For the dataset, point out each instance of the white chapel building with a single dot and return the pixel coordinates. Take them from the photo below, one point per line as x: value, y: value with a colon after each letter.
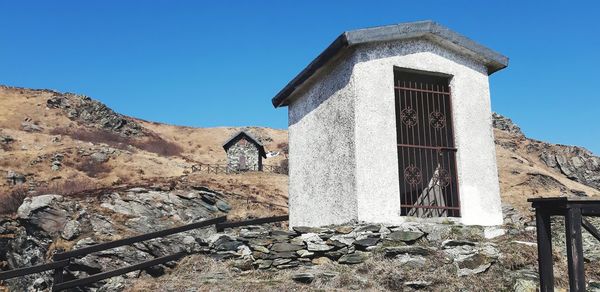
x: 393, y: 123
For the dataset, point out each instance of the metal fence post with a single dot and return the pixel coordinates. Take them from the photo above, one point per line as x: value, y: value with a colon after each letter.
x: 58, y: 272
x: 544, y: 240
x: 575, y: 249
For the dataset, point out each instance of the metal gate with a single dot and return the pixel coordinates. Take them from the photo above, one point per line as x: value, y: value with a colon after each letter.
x: 426, y: 152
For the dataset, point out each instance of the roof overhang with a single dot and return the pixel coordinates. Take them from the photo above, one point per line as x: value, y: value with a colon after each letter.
x: 232, y: 140
x: 422, y: 29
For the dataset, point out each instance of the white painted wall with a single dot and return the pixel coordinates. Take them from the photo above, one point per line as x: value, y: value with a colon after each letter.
x: 342, y: 135
x: 376, y: 152
x: 322, y: 163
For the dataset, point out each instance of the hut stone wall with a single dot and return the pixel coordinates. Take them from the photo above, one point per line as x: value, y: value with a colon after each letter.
x: 246, y: 149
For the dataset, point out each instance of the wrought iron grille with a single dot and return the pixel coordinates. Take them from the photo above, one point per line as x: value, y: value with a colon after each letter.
x: 426, y: 152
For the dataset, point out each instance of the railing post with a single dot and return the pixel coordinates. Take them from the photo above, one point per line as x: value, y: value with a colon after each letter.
x: 544, y: 240
x: 58, y: 272
x: 575, y: 249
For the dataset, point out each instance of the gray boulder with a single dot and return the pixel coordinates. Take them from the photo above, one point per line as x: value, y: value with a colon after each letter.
x: 99, y: 157
x: 391, y: 252
x: 71, y: 230
x: 473, y: 264
x: 354, y: 258
x: 286, y: 247
x: 305, y: 278
x: 405, y: 236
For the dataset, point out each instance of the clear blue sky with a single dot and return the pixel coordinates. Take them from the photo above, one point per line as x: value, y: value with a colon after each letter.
x: 200, y: 64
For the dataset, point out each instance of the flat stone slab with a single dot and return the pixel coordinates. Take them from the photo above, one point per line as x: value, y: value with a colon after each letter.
x: 353, y: 258
x: 454, y: 243
x: 406, y: 236
x: 286, y: 247
x: 475, y: 264
x: 313, y: 246
x: 367, y: 242
x: 305, y: 278
x: 411, y: 249
x: 344, y: 229
x: 371, y: 227
x: 304, y: 229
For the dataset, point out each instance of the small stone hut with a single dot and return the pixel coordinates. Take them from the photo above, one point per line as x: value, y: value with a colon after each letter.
x: 244, y: 152
x: 393, y: 123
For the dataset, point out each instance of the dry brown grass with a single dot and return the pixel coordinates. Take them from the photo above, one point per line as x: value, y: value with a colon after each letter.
x: 523, y: 175
x: 518, y: 256
x: 592, y: 270
x: 204, y: 145
x: 94, y: 136
x: 69, y: 187
x: 158, y: 145
x: 199, y: 273
x: 6, y: 147
x: 251, y: 194
x: 59, y: 245
x: 285, y: 166
x: 12, y: 199
x: 92, y: 168
x: 152, y: 143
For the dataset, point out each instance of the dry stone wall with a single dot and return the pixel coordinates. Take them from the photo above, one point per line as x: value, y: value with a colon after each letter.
x: 463, y: 252
x: 247, y: 150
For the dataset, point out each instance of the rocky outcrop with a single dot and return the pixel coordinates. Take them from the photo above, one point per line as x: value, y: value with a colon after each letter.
x: 93, y: 113
x: 577, y: 163
x: 503, y: 123
x: 48, y: 223
x: 29, y: 125
x: 6, y: 139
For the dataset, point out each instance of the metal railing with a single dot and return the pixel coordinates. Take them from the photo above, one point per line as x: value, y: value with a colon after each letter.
x: 221, y: 226
x: 224, y: 168
x: 63, y: 260
x: 426, y: 148
x: 574, y: 212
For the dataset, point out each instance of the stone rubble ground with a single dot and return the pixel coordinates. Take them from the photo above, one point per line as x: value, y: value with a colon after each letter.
x: 45, y: 223
x: 48, y: 222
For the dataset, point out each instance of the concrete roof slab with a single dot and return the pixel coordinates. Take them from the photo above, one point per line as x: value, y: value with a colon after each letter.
x: 494, y: 61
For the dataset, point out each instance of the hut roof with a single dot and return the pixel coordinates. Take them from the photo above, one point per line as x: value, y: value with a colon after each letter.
x: 236, y: 137
x: 411, y: 30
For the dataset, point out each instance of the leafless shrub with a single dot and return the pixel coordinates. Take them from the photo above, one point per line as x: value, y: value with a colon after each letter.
x: 284, y: 147
x: 92, y: 168
x: 152, y: 143
x: 284, y: 166
x: 10, y: 202
x: 519, y: 256
x: 6, y: 147
x: 158, y: 145
x: 95, y: 136
x: 67, y: 188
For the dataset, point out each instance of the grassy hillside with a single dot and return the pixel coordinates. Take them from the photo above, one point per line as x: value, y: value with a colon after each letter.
x: 67, y: 143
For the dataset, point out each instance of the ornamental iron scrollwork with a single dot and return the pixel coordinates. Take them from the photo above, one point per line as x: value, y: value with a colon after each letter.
x: 409, y: 117
x: 437, y: 120
x: 442, y: 178
x: 412, y: 175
